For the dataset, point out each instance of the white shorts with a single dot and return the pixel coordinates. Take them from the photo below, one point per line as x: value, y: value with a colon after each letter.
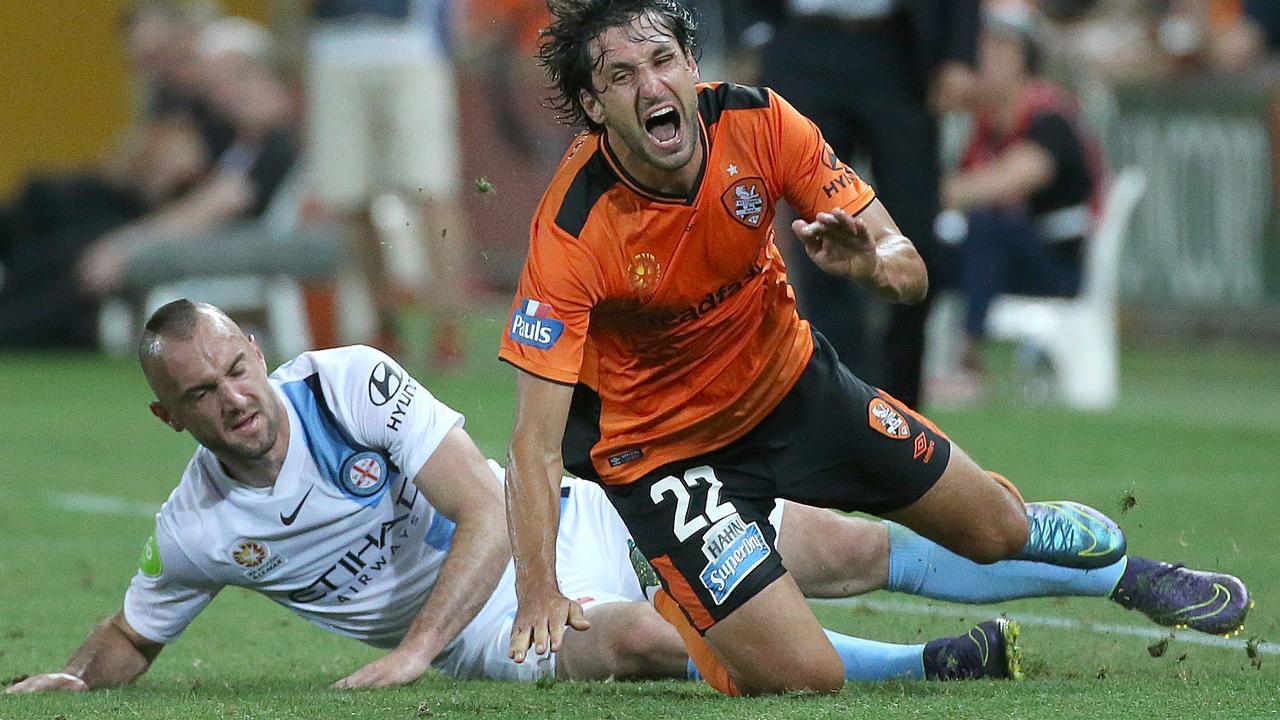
x: 593, y: 567
x: 382, y: 116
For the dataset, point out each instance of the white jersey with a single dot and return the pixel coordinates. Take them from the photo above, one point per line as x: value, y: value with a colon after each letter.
x: 344, y: 538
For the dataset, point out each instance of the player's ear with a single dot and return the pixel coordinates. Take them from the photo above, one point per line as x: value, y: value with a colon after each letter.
x: 257, y: 350
x: 591, y: 105
x: 162, y: 412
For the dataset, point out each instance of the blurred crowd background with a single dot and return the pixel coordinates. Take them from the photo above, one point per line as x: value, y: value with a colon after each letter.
x: 340, y: 161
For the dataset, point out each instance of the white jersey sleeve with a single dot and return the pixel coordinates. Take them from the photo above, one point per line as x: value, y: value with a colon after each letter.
x: 381, y: 405
x: 168, y: 591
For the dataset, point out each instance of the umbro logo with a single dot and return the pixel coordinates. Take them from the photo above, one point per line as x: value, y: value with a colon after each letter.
x: 288, y: 519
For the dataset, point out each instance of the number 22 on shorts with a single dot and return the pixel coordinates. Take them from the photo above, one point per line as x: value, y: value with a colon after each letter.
x: 686, y: 525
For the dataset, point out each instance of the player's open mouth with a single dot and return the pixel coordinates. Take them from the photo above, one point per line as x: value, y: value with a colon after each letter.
x: 663, y: 126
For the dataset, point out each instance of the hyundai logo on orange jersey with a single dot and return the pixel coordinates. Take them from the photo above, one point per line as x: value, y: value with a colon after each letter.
x: 532, y: 324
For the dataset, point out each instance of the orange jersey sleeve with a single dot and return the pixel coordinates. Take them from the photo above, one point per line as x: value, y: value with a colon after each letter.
x: 813, y: 178
x: 547, y: 326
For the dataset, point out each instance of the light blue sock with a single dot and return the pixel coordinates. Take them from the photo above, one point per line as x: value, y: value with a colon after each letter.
x: 866, y: 659
x: 871, y: 660
x: 922, y: 567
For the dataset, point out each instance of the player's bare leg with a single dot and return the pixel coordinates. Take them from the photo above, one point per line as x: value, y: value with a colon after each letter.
x: 969, y: 512
x: 626, y: 640
x: 773, y: 644
x: 831, y: 555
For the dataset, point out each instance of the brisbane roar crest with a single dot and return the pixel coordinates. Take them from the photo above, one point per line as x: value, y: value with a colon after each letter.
x: 746, y: 201
x: 886, y: 420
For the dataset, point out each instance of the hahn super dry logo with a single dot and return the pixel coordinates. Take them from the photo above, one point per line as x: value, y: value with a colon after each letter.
x: 886, y: 420
x: 644, y: 272
x: 733, y: 549
x: 532, y: 324
x: 363, y: 474
x: 745, y: 201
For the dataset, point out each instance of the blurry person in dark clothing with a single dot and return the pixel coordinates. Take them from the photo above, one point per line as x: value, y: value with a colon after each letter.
x: 167, y: 149
x: 53, y: 219
x: 239, y: 81
x: 1026, y: 190
x: 874, y: 75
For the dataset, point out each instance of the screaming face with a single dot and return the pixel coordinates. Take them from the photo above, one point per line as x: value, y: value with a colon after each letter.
x: 646, y: 99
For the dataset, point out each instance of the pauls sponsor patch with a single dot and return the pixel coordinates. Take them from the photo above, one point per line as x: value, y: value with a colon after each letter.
x: 534, y: 324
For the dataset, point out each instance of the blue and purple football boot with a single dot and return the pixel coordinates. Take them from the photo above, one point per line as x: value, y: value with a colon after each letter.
x: 989, y: 650
x: 1179, y: 597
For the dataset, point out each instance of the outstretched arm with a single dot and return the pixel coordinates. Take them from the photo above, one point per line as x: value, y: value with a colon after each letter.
x: 459, y: 484
x: 113, y: 655
x: 868, y: 249
x: 534, y: 467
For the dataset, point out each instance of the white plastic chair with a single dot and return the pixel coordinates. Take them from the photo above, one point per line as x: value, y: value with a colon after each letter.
x: 1078, y: 335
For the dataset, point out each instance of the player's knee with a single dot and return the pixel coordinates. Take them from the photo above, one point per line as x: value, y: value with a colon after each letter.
x: 1001, y: 539
x: 816, y: 676
x: 648, y: 639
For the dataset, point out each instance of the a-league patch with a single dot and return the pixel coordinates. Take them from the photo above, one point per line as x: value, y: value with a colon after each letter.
x: 363, y: 474
x: 886, y: 420
x: 249, y: 553
x: 255, y: 558
x: 734, y: 549
x: 532, y: 324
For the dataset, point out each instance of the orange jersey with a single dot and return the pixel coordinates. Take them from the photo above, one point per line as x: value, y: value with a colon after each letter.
x: 672, y: 315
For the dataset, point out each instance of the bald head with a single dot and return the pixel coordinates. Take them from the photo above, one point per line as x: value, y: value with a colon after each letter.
x: 210, y: 380
x: 178, y: 322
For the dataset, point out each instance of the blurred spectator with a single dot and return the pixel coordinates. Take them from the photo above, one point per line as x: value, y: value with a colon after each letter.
x: 53, y: 218
x: 1135, y: 41
x: 1026, y: 187
x: 383, y: 119
x: 1264, y: 15
x: 237, y: 79
x: 159, y: 41
x: 874, y: 75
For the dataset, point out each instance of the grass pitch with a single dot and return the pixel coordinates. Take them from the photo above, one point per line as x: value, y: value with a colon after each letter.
x: 1193, y: 447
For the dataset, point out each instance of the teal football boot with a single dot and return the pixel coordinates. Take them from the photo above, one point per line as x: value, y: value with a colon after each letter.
x: 1068, y: 534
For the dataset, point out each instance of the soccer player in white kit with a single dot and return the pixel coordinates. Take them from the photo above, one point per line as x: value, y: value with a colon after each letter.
x: 341, y: 489
x: 278, y: 499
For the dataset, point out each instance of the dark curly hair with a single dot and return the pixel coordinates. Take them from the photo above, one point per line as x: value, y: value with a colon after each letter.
x: 565, y: 45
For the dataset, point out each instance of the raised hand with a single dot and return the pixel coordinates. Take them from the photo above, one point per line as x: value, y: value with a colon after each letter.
x: 839, y: 243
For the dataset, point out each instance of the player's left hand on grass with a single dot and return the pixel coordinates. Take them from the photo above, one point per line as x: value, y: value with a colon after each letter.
x: 398, y: 667
x: 47, y: 682
x: 839, y: 243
